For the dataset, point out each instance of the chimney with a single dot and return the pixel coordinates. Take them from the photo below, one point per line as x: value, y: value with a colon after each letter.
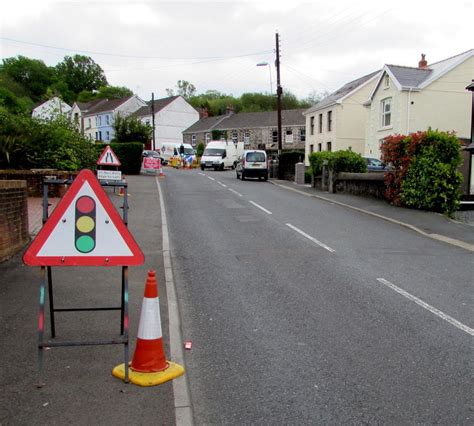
x: 423, y: 64
x: 229, y: 110
x: 203, y: 112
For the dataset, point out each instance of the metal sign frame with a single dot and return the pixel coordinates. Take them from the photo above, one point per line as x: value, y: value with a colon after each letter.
x: 46, y: 277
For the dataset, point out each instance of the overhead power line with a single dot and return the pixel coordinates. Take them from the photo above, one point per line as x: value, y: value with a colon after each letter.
x: 119, y: 55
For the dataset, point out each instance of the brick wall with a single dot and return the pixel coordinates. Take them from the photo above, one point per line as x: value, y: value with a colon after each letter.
x: 34, y: 180
x: 13, y: 217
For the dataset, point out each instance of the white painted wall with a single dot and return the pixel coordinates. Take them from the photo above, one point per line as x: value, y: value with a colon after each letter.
x: 171, y: 121
x: 50, y: 109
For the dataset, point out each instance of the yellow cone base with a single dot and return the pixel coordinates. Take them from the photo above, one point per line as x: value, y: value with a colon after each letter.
x: 149, y: 379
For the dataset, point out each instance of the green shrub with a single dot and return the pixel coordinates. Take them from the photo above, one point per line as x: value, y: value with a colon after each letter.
x: 338, y: 161
x: 348, y: 161
x: 131, y: 129
x: 27, y: 143
x: 200, y: 149
x: 426, y: 172
x: 130, y: 155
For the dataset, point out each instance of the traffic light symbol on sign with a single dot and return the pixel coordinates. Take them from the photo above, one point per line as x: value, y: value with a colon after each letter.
x: 85, y: 224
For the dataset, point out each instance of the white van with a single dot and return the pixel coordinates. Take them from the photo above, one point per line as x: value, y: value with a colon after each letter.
x: 219, y: 155
x: 169, y: 150
x: 253, y: 164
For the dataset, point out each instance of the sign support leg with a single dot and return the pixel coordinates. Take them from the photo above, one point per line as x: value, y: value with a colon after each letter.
x: 125, y: 300
x: 51, y: 302
x: 41, y: 328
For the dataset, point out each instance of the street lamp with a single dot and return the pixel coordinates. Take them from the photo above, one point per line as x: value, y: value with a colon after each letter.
x: 264, y: 64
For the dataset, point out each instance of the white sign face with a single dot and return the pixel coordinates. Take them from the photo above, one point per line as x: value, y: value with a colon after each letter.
x: 108, y: 240
x: 109, y: 175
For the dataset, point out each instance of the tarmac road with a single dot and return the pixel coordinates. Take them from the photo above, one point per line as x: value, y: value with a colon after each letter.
x: 339, y: 318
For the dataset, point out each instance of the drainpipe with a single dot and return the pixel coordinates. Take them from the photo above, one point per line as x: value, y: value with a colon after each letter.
x: 408, y: 110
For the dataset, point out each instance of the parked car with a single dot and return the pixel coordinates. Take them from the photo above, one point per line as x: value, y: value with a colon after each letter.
x: 374, y: 164
x: 152, y: 154
x: 252, y: 164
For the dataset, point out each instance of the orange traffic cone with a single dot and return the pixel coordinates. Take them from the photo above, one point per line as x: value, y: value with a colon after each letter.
x: 161, y: 174
x: 149, y: 366
x: 121, y: 191
x: 149, y: 353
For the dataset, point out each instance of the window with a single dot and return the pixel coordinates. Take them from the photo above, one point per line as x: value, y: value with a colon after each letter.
x: 208, y: 137
x: 234, y: 136
x: 247, y: 138
x: 89, y: 125
x: 320, y: 146
x: 302, y: 134
x: 76, y: 117
x: 275, y: 136
x: 311, y: 148
x: 107, y: 135
x: 320, y: 124
x: 329, y: 146
x: 386, y: 110
x: 289, y: 136
x: 193, y: 140
x: 100, y: 120
x: 107, y: 119
x: 312, y: 126
x: 329, y: 121
x: 386, y: 81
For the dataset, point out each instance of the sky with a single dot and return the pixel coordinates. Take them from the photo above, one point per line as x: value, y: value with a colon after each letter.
x: 148, y: 46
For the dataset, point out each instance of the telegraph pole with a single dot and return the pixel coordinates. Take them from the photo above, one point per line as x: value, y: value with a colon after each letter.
x: 279, y: 93
x: 153, y: 146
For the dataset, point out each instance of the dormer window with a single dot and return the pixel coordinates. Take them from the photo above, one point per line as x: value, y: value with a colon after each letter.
x: 386, y: 81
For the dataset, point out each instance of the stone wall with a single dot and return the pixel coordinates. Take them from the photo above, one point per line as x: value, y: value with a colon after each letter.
x: 13, y: 217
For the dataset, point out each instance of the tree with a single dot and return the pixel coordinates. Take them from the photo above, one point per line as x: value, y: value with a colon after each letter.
x: 34, y: 75
x: 131, y: 129
x: 183, y: 88
x: 105, y: 92
x: 81, y: 73
x: 314, y: 97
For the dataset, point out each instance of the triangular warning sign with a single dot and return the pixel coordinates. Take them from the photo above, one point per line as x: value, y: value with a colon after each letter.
x: 108, y: 158
x: 84, y: 229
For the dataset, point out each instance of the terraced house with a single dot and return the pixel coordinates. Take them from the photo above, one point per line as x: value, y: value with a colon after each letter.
x: 410, y: 99
x: 257, y: 130
x: 338, y: 121
x: 99, y: 119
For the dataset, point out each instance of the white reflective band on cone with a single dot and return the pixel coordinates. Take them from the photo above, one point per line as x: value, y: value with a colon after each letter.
x: 150, y: 321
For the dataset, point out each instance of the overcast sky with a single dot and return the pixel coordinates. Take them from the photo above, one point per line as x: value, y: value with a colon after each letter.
x: 148, y: 45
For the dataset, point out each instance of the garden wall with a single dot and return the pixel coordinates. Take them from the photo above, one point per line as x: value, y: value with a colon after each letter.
x: 13, y: 217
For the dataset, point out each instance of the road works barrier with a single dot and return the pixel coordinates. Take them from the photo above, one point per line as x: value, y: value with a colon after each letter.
x: 149, y: 366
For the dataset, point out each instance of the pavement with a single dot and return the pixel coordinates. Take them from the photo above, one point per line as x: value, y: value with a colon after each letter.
x: 430, y: 224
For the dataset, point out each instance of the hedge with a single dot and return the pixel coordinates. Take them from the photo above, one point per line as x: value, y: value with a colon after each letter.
x: 338, y: 161
x: 130, y: 155
x: 425, y: 172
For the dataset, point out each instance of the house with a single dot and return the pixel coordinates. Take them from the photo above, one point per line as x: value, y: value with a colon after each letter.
x: 258, y: 130
x: 99, y: 119
x: 79, y: 110
x: 338, y: 121
x: 172, y: 115
x: 51, y: 109
x: 410, y: 99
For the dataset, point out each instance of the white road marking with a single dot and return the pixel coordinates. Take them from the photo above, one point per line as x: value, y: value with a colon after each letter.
x: 309, y: 237
x: 221, y: 184
x: 425, y: 305
x: 202, y: 174
x: 235, y: 192
x: 261, y: 208
x: 210, y: 178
